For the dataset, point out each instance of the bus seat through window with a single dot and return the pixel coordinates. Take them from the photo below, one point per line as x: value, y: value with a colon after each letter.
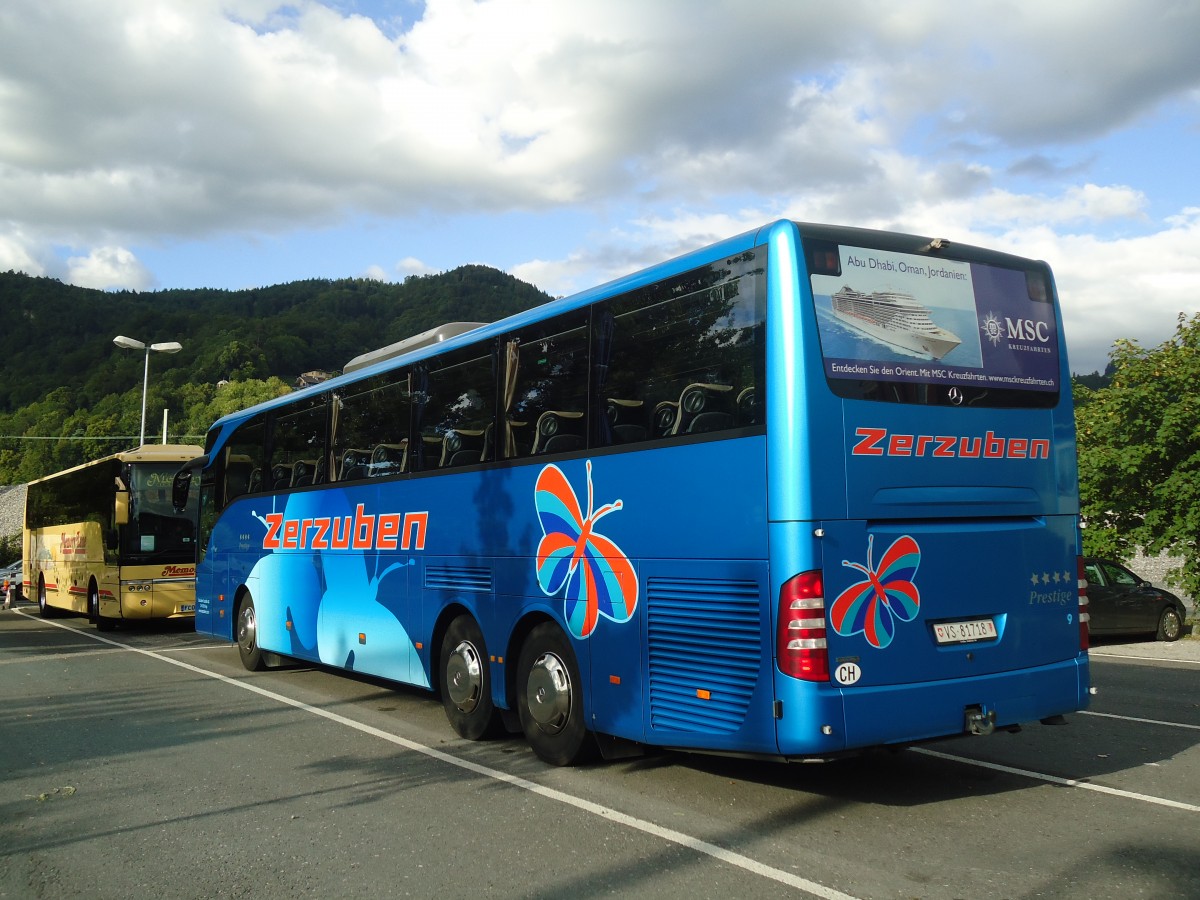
x: 558, y: 431
x: 461, y: 447
x: 281, y: 476
x: 626, y: 418
x: 705, y: 407
x: 666, y: 417
x: 302, y: 472
x: 747, y: 406
x: 354, y: 465
x: 389, y: 459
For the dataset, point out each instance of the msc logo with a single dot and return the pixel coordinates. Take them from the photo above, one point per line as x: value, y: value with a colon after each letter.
x: 1029, y: 331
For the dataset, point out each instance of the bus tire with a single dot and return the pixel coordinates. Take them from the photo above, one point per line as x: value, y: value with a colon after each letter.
x: 44, y: 608
x: 466, y: 681
x: 101, y: 622
x: 247, y: 635
x: 550, y: 698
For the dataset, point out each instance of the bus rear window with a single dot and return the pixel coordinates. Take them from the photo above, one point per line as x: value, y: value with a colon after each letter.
x: 914, y: 328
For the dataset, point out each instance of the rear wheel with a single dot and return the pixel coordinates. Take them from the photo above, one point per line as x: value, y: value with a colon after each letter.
x: 247, y: 635
x: 1170, y: 625
x: 101, y: 622
x: 550, y: 698
x: 467, y: 682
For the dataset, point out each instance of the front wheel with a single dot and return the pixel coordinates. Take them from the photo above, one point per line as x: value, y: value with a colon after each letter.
x: 1170, y: 625
x: 550, y: 698
x: 467, y: 681
x: 247, y: 636
x: 44, y: 608
x: 102, y: 623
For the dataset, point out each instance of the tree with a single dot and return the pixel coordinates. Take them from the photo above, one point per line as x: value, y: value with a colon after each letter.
x: 1139, y: 453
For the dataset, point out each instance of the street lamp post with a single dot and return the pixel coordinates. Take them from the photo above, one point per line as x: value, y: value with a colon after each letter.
x: 128, y: 343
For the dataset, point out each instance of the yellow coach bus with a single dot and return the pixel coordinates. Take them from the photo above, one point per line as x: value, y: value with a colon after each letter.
x: 103, y: 540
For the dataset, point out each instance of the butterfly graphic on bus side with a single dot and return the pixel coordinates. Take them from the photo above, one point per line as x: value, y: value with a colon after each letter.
x: 887, y: 596
x: 593, y: 573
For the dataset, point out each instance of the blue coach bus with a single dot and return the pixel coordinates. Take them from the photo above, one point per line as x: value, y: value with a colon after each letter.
x: 807, y: 490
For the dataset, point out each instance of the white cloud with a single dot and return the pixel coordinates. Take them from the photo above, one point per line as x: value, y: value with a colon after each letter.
x: 206, y: 115
x: 410, y: 265
x: 1127, y: 288
x: 17, y: 256
x: 558, y: 278
x: 129, y: 123
x: 109, y: 267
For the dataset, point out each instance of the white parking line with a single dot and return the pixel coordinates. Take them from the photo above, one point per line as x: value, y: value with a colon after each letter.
x: 603, y: 812
x: 1088, y: 712
x: 1163, y: 658
x: 1065, y: 782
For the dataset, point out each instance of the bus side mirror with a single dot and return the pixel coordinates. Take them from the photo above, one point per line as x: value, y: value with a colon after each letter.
x: 180, y: 488
x: 121, y: 516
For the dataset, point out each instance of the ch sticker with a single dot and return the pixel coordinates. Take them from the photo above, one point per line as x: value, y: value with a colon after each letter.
x: 847, y: 673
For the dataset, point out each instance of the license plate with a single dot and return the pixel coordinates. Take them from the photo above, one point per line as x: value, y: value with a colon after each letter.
x: 965, y: 632
x: 187, y: 607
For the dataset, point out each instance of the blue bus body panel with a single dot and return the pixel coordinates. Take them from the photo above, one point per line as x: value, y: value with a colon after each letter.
x: 1019, y: 575
x: 689, y: 666
x: 831, y: 720
x: 898, y: 714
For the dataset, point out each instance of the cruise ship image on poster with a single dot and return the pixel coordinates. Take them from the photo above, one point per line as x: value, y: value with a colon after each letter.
x: 895, y: 318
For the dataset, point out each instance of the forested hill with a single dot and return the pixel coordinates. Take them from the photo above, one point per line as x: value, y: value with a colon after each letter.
x: 62, y: 377
x: 56, y: 335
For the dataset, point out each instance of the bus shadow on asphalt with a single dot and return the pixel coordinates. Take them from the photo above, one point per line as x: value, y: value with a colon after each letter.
x: 1085, y: 748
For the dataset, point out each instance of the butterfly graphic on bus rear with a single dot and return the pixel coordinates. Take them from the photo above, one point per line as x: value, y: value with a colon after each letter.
x: 888, y: 595
x: 597, y: 576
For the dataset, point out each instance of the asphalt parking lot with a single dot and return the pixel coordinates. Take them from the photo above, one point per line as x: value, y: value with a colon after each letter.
x: 151, y: 754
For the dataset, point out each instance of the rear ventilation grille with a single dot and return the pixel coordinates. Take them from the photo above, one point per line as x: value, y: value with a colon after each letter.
x: 459, y: 578
x: 705, y: 650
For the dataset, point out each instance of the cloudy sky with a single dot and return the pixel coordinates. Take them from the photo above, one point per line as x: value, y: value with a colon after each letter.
x: 150, y: 144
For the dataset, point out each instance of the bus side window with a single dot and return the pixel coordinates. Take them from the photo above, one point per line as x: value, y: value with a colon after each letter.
x: 297, y: 442
x: 546, y: 387
x: 682, y: 357
x: 454, y: 402
x: 370, y: 428
x: 244, y: 456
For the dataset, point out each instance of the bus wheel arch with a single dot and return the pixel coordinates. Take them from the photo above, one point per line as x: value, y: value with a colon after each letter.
x: 245, y: 632
x: 549, y: 694
x: 102, y: 623
x: 464, y: 676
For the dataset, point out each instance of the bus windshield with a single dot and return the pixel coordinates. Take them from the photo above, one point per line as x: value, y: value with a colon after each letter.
x: 156, y: 533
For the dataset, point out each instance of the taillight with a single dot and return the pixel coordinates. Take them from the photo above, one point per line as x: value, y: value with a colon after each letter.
x: 801, y: 638
x: 1084, y: 615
